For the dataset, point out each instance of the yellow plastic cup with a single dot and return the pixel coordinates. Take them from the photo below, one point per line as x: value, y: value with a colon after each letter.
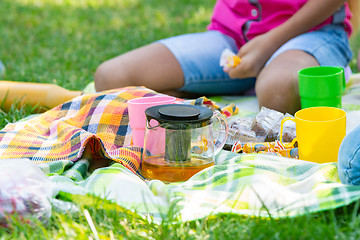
x: 319, y: 133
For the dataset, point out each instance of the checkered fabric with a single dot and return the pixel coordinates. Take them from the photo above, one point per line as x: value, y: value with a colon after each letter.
x: 99, y: 120
x: 245, y: 184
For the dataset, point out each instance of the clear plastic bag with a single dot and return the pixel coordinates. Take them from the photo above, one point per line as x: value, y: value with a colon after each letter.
x: 267, y: 124
x: 264, y: 127
x: 240, y: 131
x: 25, y: 191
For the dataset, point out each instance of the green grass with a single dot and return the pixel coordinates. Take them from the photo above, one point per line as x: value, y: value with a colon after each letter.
x: 114, y: 222
x: 62, y: 42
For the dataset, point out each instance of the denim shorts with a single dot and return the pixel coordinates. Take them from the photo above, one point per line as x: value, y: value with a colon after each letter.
x: 199, y: 57
x: 349, y: 158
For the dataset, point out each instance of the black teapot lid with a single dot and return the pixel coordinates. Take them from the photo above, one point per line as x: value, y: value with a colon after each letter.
x: 179, y: 113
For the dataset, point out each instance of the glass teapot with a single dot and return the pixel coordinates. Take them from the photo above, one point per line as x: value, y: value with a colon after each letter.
x: 179, y: 141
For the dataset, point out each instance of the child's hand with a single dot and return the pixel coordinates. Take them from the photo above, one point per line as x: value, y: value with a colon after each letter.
x: 254, y: 55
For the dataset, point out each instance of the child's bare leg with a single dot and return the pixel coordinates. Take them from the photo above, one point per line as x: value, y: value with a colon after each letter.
x: 152, y: 66
x: 277, y: 84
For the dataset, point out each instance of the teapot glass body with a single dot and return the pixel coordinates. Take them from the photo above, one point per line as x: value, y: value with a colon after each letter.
x: 180, y: 141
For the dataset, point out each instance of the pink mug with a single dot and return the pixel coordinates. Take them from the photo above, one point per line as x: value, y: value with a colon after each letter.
x: 137, y: 118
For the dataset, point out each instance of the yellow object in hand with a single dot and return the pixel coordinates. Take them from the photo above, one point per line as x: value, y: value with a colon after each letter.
x: 235, y: 61
x: 229, y: 59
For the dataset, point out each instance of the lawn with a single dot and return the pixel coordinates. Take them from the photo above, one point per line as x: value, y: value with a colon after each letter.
x: 63, y: 42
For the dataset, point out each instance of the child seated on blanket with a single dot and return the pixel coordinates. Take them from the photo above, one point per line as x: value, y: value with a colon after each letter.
x: 274, y: 39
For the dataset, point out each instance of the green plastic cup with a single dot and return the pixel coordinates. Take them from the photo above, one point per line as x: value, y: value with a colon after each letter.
x: 321, y: 86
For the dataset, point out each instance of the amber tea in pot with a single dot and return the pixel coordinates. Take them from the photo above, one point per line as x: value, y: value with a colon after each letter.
x: 179, y: 141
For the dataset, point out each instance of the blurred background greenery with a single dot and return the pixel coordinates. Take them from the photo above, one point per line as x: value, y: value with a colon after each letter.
x: 63, y: 41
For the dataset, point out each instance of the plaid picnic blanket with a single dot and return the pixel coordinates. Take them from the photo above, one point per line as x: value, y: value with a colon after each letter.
x: 98, y: 120
x: 251, y: 184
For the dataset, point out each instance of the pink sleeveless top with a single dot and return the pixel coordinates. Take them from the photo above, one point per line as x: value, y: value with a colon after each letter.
x: 245, y: 19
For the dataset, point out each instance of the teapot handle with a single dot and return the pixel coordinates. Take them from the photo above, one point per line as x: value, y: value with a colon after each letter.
x: 221, y: 139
